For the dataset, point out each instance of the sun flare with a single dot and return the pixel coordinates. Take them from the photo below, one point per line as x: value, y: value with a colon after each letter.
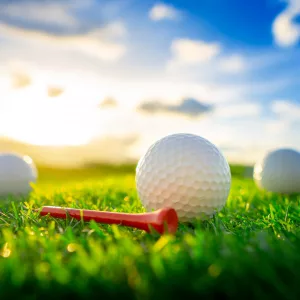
x: 30, y: 116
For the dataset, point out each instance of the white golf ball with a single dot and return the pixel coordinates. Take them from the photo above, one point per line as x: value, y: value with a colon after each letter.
x: 16, y: 174
x: 185, y: 172
x: 279, y: 171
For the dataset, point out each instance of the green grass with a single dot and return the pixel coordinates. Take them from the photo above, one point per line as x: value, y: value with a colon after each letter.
x: 251, y: 249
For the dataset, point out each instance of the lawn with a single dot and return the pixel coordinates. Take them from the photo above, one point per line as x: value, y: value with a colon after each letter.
x: 251, y: 249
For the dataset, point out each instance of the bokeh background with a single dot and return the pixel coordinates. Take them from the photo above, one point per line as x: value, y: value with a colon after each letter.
x: 98, y: 81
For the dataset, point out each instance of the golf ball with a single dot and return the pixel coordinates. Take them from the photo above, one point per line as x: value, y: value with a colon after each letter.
x: 185, y: 172
x: 279, y: 171
x: 16, y: 174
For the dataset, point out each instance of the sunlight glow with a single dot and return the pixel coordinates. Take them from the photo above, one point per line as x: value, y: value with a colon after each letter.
x: 30, y: 116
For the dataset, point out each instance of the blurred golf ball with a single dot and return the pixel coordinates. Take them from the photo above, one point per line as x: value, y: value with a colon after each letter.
x: 16, y: 174
x: 279, y: 171
x: 185, y: 172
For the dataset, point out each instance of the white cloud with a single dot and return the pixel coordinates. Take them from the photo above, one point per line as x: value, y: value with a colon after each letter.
x: 161, y: 11
x: 95, y: 43
x: 286, y: 109
x: 232, y: 64
x: 114, y: 29
x: 49, y: 13
x: 133, y: 91
x: 287, y: 113
x: 285, y: 30
x: 277, y: 126
x: 191, y: 52
x: 239, y: 110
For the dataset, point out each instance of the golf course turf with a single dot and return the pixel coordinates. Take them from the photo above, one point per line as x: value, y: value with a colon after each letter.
x: 251, y: 249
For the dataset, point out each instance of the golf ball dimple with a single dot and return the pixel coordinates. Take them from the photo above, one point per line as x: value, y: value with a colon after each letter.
x: 16, y: 174
x: 185, y: 172
x: 279, y: 171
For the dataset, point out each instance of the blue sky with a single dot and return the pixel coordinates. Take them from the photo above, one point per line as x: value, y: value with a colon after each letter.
x: 247, y: 23
x: 163, y: 63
